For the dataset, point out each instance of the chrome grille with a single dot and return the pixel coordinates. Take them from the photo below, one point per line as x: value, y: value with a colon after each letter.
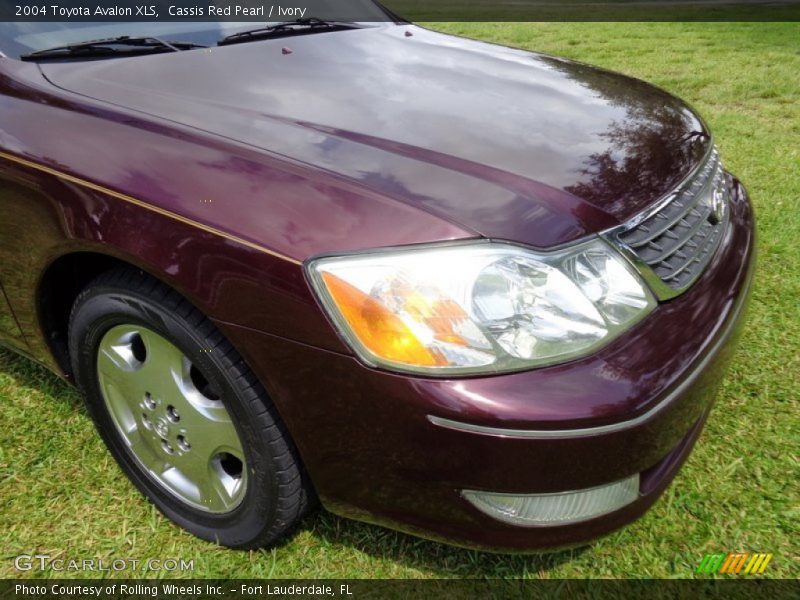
x: 677, y: 240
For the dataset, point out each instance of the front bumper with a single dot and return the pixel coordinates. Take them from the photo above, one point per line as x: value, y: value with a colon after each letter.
x: 398, y: 450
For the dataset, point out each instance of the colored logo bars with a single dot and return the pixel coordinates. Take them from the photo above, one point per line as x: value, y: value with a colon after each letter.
x: 735, y: 563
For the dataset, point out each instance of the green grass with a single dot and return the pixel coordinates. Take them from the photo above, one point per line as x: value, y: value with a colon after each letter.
x: 61, y: 494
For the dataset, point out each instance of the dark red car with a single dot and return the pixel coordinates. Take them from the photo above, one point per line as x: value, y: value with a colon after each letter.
x: 469, y: 292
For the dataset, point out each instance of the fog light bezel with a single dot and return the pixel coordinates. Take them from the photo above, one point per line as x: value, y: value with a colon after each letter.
x: 627, y: 489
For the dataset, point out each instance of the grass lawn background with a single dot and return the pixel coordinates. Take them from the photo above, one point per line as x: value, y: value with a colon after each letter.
x: 61, y: 494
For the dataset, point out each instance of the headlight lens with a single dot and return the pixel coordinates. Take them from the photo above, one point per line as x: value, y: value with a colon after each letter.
x: 480, y: 307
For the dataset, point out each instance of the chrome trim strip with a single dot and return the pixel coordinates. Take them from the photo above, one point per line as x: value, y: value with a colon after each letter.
x: 696, y: 371
x: 659, y: 287
x: 659, y: 205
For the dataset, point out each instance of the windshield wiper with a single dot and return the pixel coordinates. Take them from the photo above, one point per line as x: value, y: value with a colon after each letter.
x: 300, y: 26
x: 109, y: 47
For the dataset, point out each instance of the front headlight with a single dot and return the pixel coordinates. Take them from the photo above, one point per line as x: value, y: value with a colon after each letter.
x: 479, y: 307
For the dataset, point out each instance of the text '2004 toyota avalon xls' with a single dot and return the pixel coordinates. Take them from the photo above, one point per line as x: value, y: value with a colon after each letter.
x: 469, y: 292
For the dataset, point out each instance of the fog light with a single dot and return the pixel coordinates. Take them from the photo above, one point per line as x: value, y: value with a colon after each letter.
x: 560, y: 508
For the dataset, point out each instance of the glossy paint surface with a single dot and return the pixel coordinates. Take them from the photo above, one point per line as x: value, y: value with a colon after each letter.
x: 206, y: 180
x: 221, y: 172
x: 502, y: 142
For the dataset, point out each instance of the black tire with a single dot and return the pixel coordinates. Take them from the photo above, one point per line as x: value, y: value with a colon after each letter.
x: 277, y: 493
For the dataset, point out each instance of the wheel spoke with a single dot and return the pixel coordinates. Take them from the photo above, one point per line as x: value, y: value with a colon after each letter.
x: 114, y: 370
x: 217, y: 494
x: 195, y: 467
x: 212, y: 430
x: 149, y: 456
x: 163, y: 366
x: 200, y: 471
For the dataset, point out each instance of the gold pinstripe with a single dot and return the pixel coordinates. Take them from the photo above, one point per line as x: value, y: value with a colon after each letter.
x: 146, y: 206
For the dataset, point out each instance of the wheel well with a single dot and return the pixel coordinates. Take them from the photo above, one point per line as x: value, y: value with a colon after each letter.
x: 60, y: 285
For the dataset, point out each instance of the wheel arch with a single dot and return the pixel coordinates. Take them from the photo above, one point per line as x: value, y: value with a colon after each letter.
x: 62, y: 281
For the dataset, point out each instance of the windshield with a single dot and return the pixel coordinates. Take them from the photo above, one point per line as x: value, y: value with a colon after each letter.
x: 19, y: 38
x: 22, y: 38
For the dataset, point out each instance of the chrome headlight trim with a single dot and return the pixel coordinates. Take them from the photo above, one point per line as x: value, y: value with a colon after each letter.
x: 715, y: 191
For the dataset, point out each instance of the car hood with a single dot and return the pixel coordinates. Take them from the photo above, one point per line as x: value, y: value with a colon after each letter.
x: 505, y: 143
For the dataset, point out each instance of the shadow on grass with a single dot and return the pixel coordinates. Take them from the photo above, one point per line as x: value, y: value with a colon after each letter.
x: 378, y: 542
x: 33, y: 376
x: 432, y: 557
